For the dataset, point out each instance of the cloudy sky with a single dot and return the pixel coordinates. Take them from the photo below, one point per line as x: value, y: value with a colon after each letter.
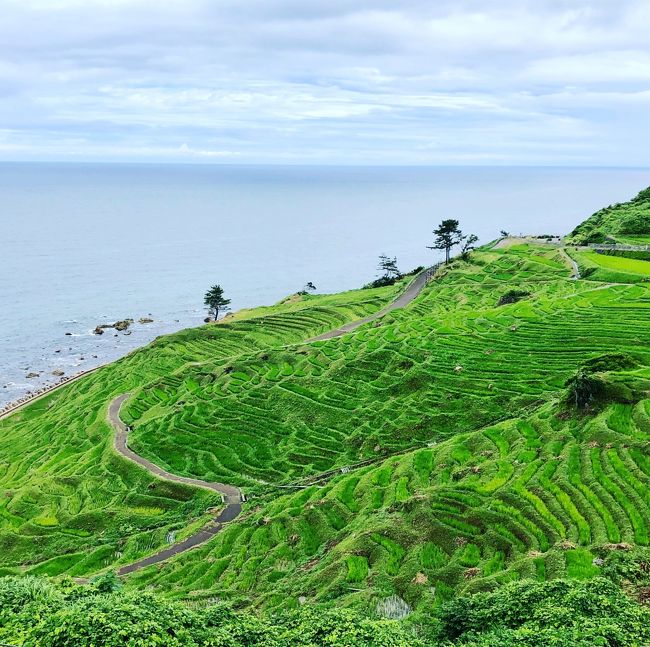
x: 564, y: 82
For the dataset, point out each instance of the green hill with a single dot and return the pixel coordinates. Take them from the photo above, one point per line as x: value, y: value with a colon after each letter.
x: 627, y: 222
x: 69, y: 504
x: 492, y: 436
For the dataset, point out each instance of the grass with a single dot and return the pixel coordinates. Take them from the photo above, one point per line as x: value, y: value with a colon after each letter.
x: 627, y: 222
x: 64, y: 494
x: 473, y: 472
x: 606, y: 268
x: 467, y: 501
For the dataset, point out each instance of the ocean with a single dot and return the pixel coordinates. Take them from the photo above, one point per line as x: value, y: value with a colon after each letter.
x: 87, y: 244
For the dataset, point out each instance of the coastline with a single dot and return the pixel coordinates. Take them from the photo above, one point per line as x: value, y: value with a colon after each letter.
x: 15, y: 405
x: 39, y: 392
x: 96, y: 350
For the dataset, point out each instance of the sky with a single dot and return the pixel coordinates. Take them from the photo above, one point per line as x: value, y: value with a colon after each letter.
x: 464, y: 82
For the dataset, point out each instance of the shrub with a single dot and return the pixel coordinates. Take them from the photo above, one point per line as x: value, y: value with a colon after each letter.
x: 584, y: 389
x: 381, y: 282
x: 560, y: 612
x: 115, y: 620
x: 512, y: 296
x: 609, y: 362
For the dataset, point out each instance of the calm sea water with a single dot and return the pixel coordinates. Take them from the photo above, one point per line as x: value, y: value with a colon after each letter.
x: 87, y: 244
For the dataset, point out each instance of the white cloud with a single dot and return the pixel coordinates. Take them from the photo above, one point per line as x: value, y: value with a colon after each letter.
x: 593, y: 68
x: 184, y: 149
x: 326, y: 80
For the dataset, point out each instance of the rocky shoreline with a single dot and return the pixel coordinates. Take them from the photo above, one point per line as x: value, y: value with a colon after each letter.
x: 56, y: 375
x: 44, y: 390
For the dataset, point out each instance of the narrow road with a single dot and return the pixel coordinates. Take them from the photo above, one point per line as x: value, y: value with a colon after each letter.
x: 572, y: 263
x: 412, y: 290
x: 231, y: 495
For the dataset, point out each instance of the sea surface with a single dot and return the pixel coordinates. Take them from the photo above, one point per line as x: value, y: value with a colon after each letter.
x: 86, y: 244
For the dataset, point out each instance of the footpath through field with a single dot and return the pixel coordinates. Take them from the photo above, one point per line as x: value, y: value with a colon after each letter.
x: 412, y: 290
x: 232, y: 496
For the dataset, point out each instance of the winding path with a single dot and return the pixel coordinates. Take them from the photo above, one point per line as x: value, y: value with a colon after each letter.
x: 231, y: 495
x: 412, y: 290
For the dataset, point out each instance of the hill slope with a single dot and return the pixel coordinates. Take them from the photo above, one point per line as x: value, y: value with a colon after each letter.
x: 496, y: 429
x: 627, y: 222
x: 65, y: 496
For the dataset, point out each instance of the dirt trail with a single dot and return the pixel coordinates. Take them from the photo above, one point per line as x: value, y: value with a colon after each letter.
x: 572, y: 263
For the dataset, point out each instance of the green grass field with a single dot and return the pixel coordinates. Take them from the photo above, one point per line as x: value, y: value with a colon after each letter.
x: 475, y: 470
x: 69, y: 504
x: 532, y: 496
x: 611, y: 269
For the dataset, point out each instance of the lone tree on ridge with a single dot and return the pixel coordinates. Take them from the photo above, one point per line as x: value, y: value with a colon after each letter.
x: 448, y: 235
x: 215, y: 301
x: 388, y: 267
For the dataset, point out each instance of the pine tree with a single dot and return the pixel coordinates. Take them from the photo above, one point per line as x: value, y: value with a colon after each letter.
x: 215, y: 301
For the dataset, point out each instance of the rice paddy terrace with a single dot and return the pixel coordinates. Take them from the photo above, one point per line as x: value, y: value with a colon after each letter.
x: 429, y: 452
x: 69, y: 503
x: 479, y: 473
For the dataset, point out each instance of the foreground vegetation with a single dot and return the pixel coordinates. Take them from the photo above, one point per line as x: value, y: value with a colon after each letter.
x: 37, y: 613
x: 489, y: 439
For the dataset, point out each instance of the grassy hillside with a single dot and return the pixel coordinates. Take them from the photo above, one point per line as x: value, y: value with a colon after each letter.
x: 627, y: 222
x: 492, y: 436
x: 66, y: 497
x: 453, y: 361
x: 476, y: 502
x: 609, y: 268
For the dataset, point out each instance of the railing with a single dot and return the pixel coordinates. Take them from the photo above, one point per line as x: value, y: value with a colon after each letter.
x: 433, y: 269
x: 619, y: 247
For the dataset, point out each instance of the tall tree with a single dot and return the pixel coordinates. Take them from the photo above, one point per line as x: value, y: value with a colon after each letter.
x: 448, y: 235
x: 388, y: 267
x: 215, y: 301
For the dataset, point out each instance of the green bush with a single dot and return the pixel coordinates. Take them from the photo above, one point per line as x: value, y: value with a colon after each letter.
x: 512, y: 296
x: 584, y: 389
x: 560, y: 612
x: 36, y: 613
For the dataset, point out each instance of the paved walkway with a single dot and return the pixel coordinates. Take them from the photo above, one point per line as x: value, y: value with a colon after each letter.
x: 232, y: 496
x: 412, y: 290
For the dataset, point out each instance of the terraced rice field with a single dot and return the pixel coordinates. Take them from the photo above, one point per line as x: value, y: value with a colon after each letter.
x: 451, y: 362
x: 605, y: 268
x: 501, y: 482
x: 69, y: 504
x: 536, y: 497
x: 473, y: 471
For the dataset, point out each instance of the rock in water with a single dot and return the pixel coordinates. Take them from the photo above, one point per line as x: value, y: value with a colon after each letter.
x: 120, y: 326
x: 145, y: 320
